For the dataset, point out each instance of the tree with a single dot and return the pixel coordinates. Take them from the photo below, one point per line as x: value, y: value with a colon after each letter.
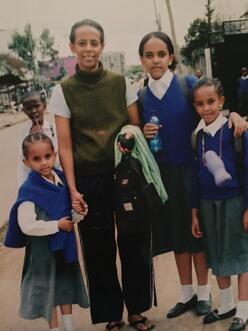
x: 11, y: 64
x: 46, y: 43
x: 196, y: 40
x: 24, y: 46
x: 209, y: 13
x: 198, y: 36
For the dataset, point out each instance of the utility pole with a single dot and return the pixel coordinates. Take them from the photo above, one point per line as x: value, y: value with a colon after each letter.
x: 173, y: 35
x: 157, y: 16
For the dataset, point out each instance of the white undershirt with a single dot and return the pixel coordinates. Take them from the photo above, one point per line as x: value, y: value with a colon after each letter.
x: 27, y: 218
x: 159, y: 87
x: 58, y: 105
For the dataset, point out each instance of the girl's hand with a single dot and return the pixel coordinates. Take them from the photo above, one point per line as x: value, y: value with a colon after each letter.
x: 195, y: 227
x: 65, y: 224
x: 124, y: 150
x: 150, y: 130
x: 245, y: 220
x: 36, y: 127
x: 240, y: 125
x: 78, y: 203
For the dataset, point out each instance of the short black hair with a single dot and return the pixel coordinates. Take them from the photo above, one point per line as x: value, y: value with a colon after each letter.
x: 32, y: 138
x: 86, y: 22
x: 31, y: 94
x: 165, y: 38
x: 208, y: 81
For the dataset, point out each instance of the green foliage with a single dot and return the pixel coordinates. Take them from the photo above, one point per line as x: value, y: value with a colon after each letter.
x: 200, y: 33
x: 134, y: 72
x: 196, y: 40
x: 11, y: 64
x: 46, y: 43
x: 24, y: 45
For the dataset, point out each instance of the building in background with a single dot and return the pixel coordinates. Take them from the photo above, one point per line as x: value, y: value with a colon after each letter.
x: 114, y: 61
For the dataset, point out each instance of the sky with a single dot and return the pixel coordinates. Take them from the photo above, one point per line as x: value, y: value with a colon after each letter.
x: 125, y: 22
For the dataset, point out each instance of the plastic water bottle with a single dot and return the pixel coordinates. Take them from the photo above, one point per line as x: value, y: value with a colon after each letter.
x: 155, y: 143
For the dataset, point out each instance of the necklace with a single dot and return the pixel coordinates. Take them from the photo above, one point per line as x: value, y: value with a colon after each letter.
x: 203, y: 146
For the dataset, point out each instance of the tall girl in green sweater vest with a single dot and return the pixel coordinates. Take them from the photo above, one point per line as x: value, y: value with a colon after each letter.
x: 90, y: 108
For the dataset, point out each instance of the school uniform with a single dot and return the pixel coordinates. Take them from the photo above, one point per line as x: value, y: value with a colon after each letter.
x: 222, y: 208
x: 51, y: 275
x: 48, y: 130
x: 165, y: 99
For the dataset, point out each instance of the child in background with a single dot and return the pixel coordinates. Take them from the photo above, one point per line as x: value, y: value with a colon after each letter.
x: 34, y: 107
x: 41, y: 221
x: 223, y: 208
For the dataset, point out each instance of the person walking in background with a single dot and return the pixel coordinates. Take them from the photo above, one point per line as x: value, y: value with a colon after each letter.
x: 243, y: 92
x: 41, y: 221
x: 220, y: 203
x: 90, y: 109
x: 34, y: 107
x: 198, y: 73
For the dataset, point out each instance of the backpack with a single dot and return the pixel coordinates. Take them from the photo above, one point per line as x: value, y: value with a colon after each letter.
x: 136, y: 200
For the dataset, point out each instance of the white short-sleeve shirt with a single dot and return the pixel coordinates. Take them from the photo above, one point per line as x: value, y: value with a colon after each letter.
x: 58, y: 105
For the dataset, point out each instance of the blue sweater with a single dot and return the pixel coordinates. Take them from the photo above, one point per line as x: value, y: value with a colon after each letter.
x: 243, y: 85
x: 178, y: 121
x: 203, y: 181
x: 55, y: 202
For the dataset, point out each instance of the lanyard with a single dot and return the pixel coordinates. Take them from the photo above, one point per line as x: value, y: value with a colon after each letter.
x: 203, y: 146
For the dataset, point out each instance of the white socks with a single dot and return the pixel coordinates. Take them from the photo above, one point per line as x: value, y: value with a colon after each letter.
x: 203, y: 292
x: 56, y: 329
x: 242, y: 310
x: 227, y: 302
x: 68, y: 322
x: 187, y: 293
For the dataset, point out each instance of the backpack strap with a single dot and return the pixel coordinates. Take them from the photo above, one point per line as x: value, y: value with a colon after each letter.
x: 141, y: 98
x: 182, y: 80
x: 194, y: 136
x: 238, y: 144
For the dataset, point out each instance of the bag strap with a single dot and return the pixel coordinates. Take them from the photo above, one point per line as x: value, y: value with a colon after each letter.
x: 238, y: 145
x: 182, y: 80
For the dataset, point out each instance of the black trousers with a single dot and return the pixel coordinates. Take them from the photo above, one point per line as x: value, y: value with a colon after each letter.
x: 97, y: 232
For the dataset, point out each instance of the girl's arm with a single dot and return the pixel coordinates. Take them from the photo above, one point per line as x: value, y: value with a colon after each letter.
x: 133, y: 114
x: 195, y: 224
x: 66, y: 160
x: 240, y: 125
x: 245, y: 177
x: 27, y: 220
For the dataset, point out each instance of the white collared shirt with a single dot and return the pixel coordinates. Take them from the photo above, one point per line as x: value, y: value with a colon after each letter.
x: 56, y: 181
x: 27, y: 218
x: 159, y: 87
x: 213, y: 127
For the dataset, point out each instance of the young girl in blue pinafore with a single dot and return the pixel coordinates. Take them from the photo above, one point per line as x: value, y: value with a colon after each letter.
x: 165, y: 99
x: 41, y: 221
x: 222, y: 203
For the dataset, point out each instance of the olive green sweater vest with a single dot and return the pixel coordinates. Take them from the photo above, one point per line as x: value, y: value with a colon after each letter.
x: 97, y: 102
